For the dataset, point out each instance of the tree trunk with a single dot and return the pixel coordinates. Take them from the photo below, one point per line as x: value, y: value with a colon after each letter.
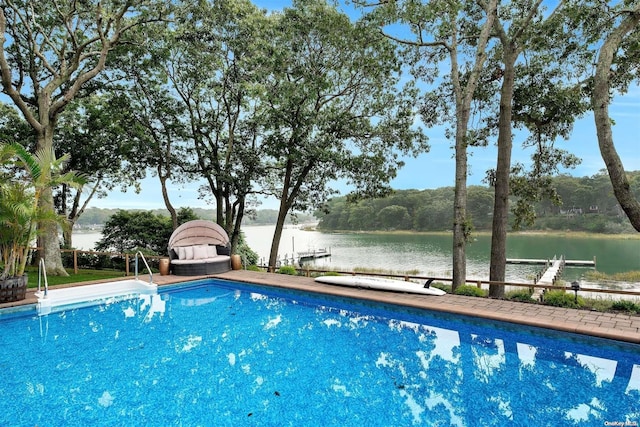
x: 600, y: 104
x: 285, y: 205
x: 237, y: 225
x: 500, y: 224
x: 76, y: 212
x: 67, y: 234
x: 460, y: 226
x: 167, y: 201
x: 277, y: 234
x: 48, y: 240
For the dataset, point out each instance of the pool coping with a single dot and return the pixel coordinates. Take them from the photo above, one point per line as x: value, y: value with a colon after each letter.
x: 614, y: 326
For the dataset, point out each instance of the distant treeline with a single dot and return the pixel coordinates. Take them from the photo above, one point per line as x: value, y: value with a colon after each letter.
x: 93, y: 217
x: 588, y: 204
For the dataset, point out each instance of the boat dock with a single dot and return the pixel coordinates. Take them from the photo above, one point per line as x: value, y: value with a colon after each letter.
x: 553, y: 269
x: 300, y: 257
x: 311, y: 255
x: 568, y: 262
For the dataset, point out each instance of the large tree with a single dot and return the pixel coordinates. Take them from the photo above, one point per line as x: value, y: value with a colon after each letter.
x: 94, y: 131
x: 433, y: 32
x: 617, y: 65
x: 543, y: 60
x: 214, y: 65
x: 152, y: 121
x: 333, y: 109
x: 51, y: 52
x: 537, y: 92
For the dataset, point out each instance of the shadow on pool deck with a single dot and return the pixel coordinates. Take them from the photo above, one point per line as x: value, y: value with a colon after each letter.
x: 616, y: 326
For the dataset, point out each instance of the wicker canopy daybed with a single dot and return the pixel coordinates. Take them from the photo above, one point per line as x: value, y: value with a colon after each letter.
x: 199, y: 247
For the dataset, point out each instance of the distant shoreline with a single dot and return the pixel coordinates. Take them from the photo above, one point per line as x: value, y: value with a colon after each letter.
x: 624, y: 236
x: 556, y: 233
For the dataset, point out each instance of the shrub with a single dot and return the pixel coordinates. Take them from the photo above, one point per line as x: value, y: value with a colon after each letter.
x: 248, y: 255
x: 628, y: 276
x: 470, y: 291
x: 597, y: 304
x: 523, y: 295
x: 562, y: 299
x: 625, y: 305
x: 254, y: 268
x: 288, y: 269
x: 441, y: 286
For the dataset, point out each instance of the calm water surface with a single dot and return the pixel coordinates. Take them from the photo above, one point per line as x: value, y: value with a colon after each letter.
x: 430, y: 254
x: 229, y: 354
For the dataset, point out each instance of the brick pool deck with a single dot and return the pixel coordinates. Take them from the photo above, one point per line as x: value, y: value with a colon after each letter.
x: 616, y: 326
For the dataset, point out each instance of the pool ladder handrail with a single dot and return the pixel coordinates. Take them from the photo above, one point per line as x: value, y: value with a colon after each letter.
x: 145, y: 263
x: 42, y: 272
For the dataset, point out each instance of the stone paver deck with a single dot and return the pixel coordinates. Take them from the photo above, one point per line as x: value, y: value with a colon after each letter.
x: 616, y: 326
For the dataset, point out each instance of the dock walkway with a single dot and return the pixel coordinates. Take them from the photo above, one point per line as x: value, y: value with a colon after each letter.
x: 568, y: 262
x: 552, y: 272
x: 553, y: 269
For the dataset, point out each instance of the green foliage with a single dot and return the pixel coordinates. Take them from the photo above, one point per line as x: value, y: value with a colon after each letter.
x: 522, y: 295
x: 560, y: 298
x: 442, y: 286
x: 597, y: 304
x: 99, y: 216
x: 24, y: 177
x: 287, y: 269
x: 130, y: 231
x: 248, y: 255
x: 185, y: 215
x: 588, y: 204
x: 83, y: 275
x: 625, y: 305
x: 627, y: 276
x: 394, y: 217
x: 470, y: 291
x: 127, y: 230
x: 90, y: 260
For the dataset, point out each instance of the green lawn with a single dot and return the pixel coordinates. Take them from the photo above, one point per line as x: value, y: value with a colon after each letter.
x: 82, y: 276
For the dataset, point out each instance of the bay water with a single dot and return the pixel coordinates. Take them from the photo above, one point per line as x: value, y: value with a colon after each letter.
x: 430, y: 254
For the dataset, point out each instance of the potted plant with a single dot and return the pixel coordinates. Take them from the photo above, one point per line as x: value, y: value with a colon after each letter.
x: 23, y: 177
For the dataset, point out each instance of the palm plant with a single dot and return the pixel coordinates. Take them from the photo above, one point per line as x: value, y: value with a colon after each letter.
x: 23, y: 177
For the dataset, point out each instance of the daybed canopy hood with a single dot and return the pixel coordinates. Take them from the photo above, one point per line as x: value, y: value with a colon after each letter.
x: 198, y: 232
x: 199, y: 247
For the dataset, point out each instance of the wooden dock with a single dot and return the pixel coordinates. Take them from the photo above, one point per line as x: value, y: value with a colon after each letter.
x: 568, y: 262
x: 553, y: 270
x: 311, y: 255
x: 300, y: 257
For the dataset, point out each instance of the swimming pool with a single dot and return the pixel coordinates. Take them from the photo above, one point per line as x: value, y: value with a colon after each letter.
x: 224, y: 353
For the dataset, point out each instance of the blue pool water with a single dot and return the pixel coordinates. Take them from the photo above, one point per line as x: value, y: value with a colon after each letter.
x: 222, y: 353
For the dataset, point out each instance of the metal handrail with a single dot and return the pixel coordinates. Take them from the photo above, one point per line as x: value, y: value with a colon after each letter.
x: 145, y: 263
x: 42, y: 272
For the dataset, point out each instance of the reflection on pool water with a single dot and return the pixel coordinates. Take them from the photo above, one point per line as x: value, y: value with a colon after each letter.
x: 224, y: 353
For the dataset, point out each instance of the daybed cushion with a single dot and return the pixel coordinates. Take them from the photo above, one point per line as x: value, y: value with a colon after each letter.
x: 199, y: 247
x: 196, y: 252
x: 198, y: 267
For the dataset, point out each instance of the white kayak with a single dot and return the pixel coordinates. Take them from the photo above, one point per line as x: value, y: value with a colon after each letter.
x: 380, y: 283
